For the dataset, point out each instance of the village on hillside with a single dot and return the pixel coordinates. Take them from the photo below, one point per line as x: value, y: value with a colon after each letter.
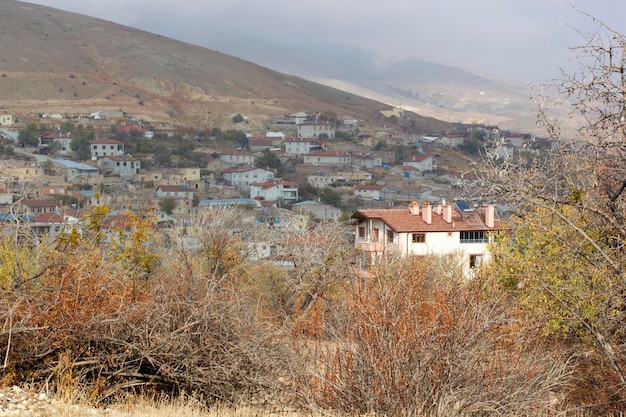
x: 305, y: 167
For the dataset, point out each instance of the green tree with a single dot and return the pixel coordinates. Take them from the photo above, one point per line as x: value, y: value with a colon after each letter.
x: 267, y: 159
x: 330, y: 197
x: 307, y: 192
x: 565, y: 257
x: 238, y: 118
x: 29, y: 136
x: 381, y: 145
x: 167, y: 204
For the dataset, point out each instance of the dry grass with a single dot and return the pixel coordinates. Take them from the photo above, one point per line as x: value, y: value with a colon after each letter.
x: 141, y: 407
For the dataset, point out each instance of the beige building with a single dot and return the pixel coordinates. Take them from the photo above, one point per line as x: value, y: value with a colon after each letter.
x: 6, y: 120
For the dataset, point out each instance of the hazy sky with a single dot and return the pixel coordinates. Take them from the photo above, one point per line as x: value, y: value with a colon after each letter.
x: 524, y: 40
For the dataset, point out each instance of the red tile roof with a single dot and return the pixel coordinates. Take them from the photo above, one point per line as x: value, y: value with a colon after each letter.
x: 401, y: 220
x: 330, y: 154
x: 49, y: 218
x: 39, y: 203
x: 420, y: 158
x: 105, y: 142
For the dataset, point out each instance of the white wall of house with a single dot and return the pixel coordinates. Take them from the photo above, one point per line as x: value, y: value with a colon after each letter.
x: 243, y: 179
x: 315, y: 130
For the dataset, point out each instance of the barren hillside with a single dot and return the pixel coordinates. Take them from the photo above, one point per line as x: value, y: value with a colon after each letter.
x: 59, y: 62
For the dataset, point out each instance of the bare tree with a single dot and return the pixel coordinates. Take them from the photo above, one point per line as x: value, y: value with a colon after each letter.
x: 567, y: 257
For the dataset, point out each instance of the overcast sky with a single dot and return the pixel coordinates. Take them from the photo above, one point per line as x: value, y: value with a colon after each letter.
x: 522, y: 40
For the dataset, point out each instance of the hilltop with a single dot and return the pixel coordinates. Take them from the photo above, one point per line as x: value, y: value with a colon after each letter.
x: 60, y: 62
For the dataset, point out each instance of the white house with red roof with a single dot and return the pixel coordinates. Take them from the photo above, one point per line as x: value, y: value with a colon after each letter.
x: 301, y: 146
x: 105, y: 147
x: 427, y: 230
x: 328, y: 158
x: 316, y: 129
x: 64, y: 141
x: 286, y: 191
x: 423, y: 163
x: 242, y: 177
x: 122, y: 165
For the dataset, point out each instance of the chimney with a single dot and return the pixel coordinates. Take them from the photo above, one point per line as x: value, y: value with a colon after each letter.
x: 490, y: 216
x: 438, y: 209
x: 427, y: 214
x: 447, y: 213
x: 414, y: 208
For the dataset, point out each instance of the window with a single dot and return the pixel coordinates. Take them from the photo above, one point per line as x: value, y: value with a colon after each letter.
x: 475, y: 261
x: 361, y: 232
x: 375, y: 235
x: 473, y: 237
x: 389, y: 236
x: 418, y: 237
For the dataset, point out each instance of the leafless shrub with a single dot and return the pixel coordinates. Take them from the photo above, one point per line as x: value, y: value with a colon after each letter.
x: 416, y: 344
x: 86, y: 327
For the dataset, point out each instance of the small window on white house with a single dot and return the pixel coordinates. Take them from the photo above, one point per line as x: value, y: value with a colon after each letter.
x: 475, y: 261
x: 418, y: 237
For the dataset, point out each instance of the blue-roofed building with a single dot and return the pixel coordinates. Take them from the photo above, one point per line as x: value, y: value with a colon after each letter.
x: 73, y: 170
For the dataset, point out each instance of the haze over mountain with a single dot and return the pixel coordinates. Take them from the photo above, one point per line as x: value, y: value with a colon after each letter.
x: 430, y: 89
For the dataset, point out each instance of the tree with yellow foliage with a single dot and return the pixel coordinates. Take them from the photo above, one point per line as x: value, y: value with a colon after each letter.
x: 566, y: 256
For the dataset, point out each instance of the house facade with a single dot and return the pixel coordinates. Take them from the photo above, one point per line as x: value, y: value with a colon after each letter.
x: 59, y: 138
x: 122, y: 165
x: 301, y: 146
x: 37, y: 207
x: 175, y: 191
x: 74, y: 170
x: 315, y: 129
x: 257, y: 144
x: 275, y: 191
x: 243, y: 177
x: 318, y: 210
x: 366, y: 161
x: 105, y: 147
x: 237, y: 157
x: 423, y: 163
x: 330, y: 158
x: 427, y: 230
x: 369, y: 192
x: 6, y: 120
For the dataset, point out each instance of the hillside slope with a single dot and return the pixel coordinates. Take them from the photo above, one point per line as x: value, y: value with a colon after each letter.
x: 59, y: 62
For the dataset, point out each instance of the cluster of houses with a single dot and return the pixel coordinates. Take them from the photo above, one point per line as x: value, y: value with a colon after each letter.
x: 237, y: 181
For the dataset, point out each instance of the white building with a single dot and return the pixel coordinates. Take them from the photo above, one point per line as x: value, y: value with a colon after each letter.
x: 427, y: 230
x: 423, y: 163
x: 275, y: 191
x: 317, y: 209
x: 237, y: 157
x: 122, y: 165
x: 105, y: 147
x: 315, y: 129
x: 242, y: 177
x: 301, y: 146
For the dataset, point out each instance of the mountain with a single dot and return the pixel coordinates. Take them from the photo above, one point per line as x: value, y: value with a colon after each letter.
x: 428, y: 88
x: 58, y: 62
